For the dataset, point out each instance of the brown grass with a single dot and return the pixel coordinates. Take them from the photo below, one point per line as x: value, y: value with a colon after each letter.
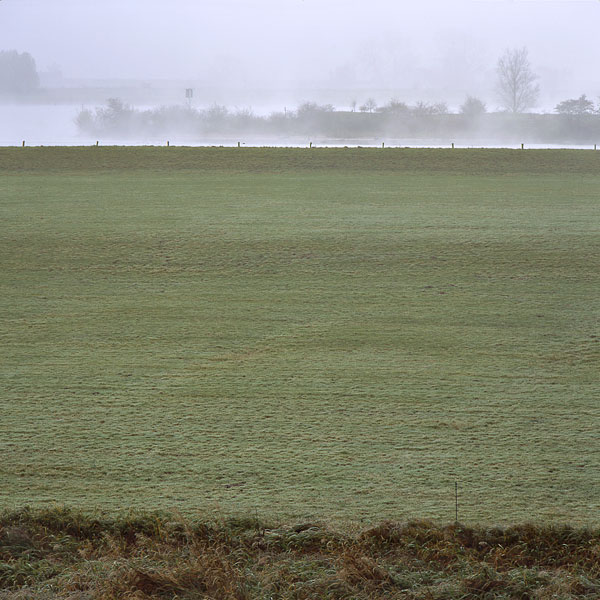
x: 63, y: 554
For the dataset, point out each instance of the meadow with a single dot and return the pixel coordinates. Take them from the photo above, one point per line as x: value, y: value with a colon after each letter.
x: 331, y: 334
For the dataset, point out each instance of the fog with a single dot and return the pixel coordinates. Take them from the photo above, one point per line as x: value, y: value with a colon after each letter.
x: 267, y: 55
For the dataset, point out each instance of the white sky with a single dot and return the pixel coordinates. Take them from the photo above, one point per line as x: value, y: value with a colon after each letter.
x: 382, y: 43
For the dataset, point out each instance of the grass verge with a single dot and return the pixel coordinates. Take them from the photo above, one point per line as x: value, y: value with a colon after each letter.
x: 58, y: 553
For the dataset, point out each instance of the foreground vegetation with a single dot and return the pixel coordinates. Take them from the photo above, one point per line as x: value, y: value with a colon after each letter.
x: 61, y: 554
x: 335, y: 335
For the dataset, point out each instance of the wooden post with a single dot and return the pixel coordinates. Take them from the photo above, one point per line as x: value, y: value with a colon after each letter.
x: 238, y: 144
x: 452, y: 145
x: 23, y: 144
x: 167, y: 143
x: 383, y: 144
x: 522, y: 146
x: 96, y: 142
x: 310, y: 145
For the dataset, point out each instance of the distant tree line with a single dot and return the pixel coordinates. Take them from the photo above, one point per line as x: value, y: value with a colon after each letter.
x: 576, y: 120
x: 310, y: 118
x: 517, y: 90
x: 18, y: 73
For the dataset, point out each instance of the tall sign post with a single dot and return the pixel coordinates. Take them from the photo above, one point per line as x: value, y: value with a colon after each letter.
x: 189, y: 94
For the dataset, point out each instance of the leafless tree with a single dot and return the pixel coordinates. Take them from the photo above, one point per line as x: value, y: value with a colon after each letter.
x: 424, y: 109
x: 516, y: 88
x: 369, y: 106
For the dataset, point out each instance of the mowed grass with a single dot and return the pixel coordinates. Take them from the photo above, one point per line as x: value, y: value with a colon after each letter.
x: 332, y: 334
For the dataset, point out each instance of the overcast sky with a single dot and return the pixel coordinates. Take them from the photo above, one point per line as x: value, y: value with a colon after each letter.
x: 383, y: 43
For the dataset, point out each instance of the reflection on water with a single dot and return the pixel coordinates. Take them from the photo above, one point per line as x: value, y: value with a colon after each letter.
x: 54, y: 125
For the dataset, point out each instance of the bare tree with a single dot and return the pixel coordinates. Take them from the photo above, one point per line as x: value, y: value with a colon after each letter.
x: 516, y: 88
x: 369, y: 106
x: 424, y: 109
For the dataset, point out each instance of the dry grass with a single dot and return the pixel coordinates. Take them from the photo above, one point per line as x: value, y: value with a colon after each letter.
x: 63, y: 554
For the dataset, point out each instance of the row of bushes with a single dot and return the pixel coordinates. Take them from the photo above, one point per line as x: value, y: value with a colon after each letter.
x: 117, y: 119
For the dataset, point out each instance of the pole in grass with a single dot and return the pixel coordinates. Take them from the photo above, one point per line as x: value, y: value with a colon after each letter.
x: 238, y: 145
x: 23, y: 144
x: 383, y: 144
x: 310, y: 145
x: 522, y: 146
x: 452, y: 145
x: 168, y: 143
x: 456, y: 502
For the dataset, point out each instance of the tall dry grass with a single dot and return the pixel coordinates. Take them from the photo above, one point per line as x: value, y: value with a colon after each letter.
x: 60, y: 553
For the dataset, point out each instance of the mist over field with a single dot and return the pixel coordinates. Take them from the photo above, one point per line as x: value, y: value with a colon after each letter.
x: 270, y: 57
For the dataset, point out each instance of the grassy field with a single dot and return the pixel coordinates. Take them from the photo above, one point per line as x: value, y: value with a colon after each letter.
x: 324, y: 334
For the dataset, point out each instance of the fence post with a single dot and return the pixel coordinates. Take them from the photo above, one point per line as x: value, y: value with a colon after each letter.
x: 456, y: 502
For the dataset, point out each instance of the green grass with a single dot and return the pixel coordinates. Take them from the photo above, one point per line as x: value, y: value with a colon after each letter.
x: 335, y: 334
